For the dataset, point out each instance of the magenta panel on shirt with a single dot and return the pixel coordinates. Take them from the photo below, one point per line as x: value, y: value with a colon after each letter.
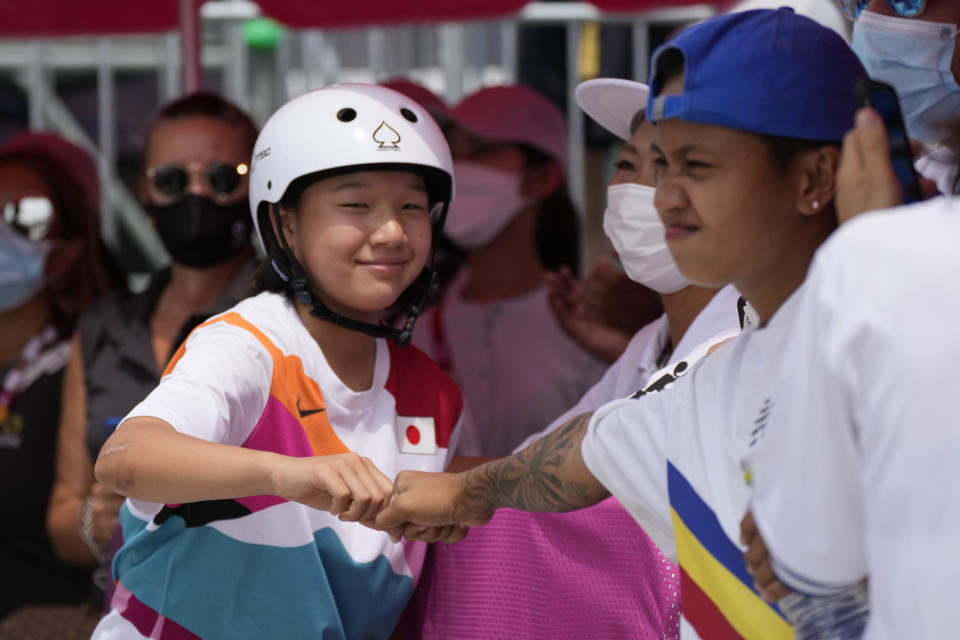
x: 279, y: 432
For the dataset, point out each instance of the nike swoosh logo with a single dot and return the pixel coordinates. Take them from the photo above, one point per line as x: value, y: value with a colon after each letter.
x: 307, y: 412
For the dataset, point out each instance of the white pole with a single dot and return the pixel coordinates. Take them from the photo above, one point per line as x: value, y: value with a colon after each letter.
x: 36, y: 85
x: 106, y: 118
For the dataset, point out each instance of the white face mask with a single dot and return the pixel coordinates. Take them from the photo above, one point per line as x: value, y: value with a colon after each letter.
x: 914, y: 56
x: 634, y: 227
x: 486, y: 201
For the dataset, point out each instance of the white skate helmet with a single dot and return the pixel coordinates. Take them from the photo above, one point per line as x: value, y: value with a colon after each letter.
x: 340, y: 129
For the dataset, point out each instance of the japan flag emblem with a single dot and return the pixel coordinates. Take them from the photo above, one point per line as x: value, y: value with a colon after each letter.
x: 416, y: 435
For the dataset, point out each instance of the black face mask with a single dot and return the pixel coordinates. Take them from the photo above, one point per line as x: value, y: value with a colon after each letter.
x: 200, y: 233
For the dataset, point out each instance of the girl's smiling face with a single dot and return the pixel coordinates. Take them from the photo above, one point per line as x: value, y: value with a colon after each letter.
x: 362, y: 238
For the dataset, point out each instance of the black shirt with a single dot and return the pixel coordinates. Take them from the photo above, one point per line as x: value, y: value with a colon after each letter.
x: 30, y: 572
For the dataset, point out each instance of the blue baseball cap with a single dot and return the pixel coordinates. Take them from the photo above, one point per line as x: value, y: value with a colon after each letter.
x: 769, y: 71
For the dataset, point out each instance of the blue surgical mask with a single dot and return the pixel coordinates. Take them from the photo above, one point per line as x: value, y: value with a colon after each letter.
x: 914, y: 56
x: 21, y: 268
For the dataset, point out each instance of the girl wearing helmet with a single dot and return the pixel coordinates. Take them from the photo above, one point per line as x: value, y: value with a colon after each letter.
x: 278, y: 425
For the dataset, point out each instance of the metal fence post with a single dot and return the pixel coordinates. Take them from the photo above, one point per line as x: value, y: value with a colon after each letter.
x: 575, y: 174
x: 508, y: 46
x: 170, y: 85
x: 36, y: 85
x: 376, y: 52
x: 641, y: 50
x: 237, y: 65
x: 106, y: 122
x: 451, y: 57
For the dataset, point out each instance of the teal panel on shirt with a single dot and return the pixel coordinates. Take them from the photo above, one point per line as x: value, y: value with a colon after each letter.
x: 219, y: 587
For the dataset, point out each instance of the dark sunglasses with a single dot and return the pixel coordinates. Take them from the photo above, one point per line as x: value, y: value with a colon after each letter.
x: 221, y: 178
x: 30, y: 217
x: 906, y: 8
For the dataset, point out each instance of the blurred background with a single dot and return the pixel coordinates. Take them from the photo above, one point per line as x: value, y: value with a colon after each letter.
x: 95, y: 71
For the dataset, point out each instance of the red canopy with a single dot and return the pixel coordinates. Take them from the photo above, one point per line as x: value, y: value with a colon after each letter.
x: 55, y: 18
x: 355, y: 13
x: 52, y: 18
x: 629, y: 6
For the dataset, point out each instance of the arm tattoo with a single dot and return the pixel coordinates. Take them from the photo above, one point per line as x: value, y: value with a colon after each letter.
x: 549, y: 475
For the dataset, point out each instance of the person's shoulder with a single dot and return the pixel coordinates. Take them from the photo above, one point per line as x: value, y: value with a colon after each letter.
x: 263, y: 310
x: 261, y: 304
x: 231, y: 341
x: 886, y: 252
x: 267, y: 317
x: 120, y: 308
x: 932, y: 222
x: 116, y: 303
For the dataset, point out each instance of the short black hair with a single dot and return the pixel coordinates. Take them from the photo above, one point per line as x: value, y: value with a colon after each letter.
x: 781, y: 151
x: 637, y: 120
x: 267, y: 278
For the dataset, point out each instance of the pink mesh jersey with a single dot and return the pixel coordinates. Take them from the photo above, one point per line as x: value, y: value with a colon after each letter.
x: 591, y: 573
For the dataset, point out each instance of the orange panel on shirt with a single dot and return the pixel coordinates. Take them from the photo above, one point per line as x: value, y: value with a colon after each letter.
x: 290, y: 385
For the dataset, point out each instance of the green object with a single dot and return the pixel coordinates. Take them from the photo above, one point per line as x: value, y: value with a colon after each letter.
x: 262, y: 33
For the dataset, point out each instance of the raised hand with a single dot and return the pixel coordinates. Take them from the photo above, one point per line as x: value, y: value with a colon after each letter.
x: 602, y: 311
x: 865, y: 179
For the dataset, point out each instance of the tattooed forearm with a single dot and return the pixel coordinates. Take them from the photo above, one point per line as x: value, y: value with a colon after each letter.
x: 549, y: 475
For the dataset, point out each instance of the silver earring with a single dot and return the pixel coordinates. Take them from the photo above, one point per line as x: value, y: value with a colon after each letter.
x: 815, y: 204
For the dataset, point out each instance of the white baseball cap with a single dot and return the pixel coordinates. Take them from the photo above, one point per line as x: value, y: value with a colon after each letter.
x: 612, y: 102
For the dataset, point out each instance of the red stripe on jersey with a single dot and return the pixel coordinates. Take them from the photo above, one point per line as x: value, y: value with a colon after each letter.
x: 701, y: 612
x: 422, y: 389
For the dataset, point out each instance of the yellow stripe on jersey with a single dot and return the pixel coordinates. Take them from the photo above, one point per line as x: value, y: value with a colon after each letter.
x: 743, y: 608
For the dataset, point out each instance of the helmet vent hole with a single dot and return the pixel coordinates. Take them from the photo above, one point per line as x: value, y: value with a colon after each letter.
x: 409, y: 115
x: 269, y: 184
x: 346, y: 115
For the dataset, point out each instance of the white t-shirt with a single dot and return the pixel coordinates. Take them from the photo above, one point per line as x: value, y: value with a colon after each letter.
x: 254, y: 377
x: 858, y: 472
x: 675, y: 459
x: 517, y: 368
x: 633, y: 370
